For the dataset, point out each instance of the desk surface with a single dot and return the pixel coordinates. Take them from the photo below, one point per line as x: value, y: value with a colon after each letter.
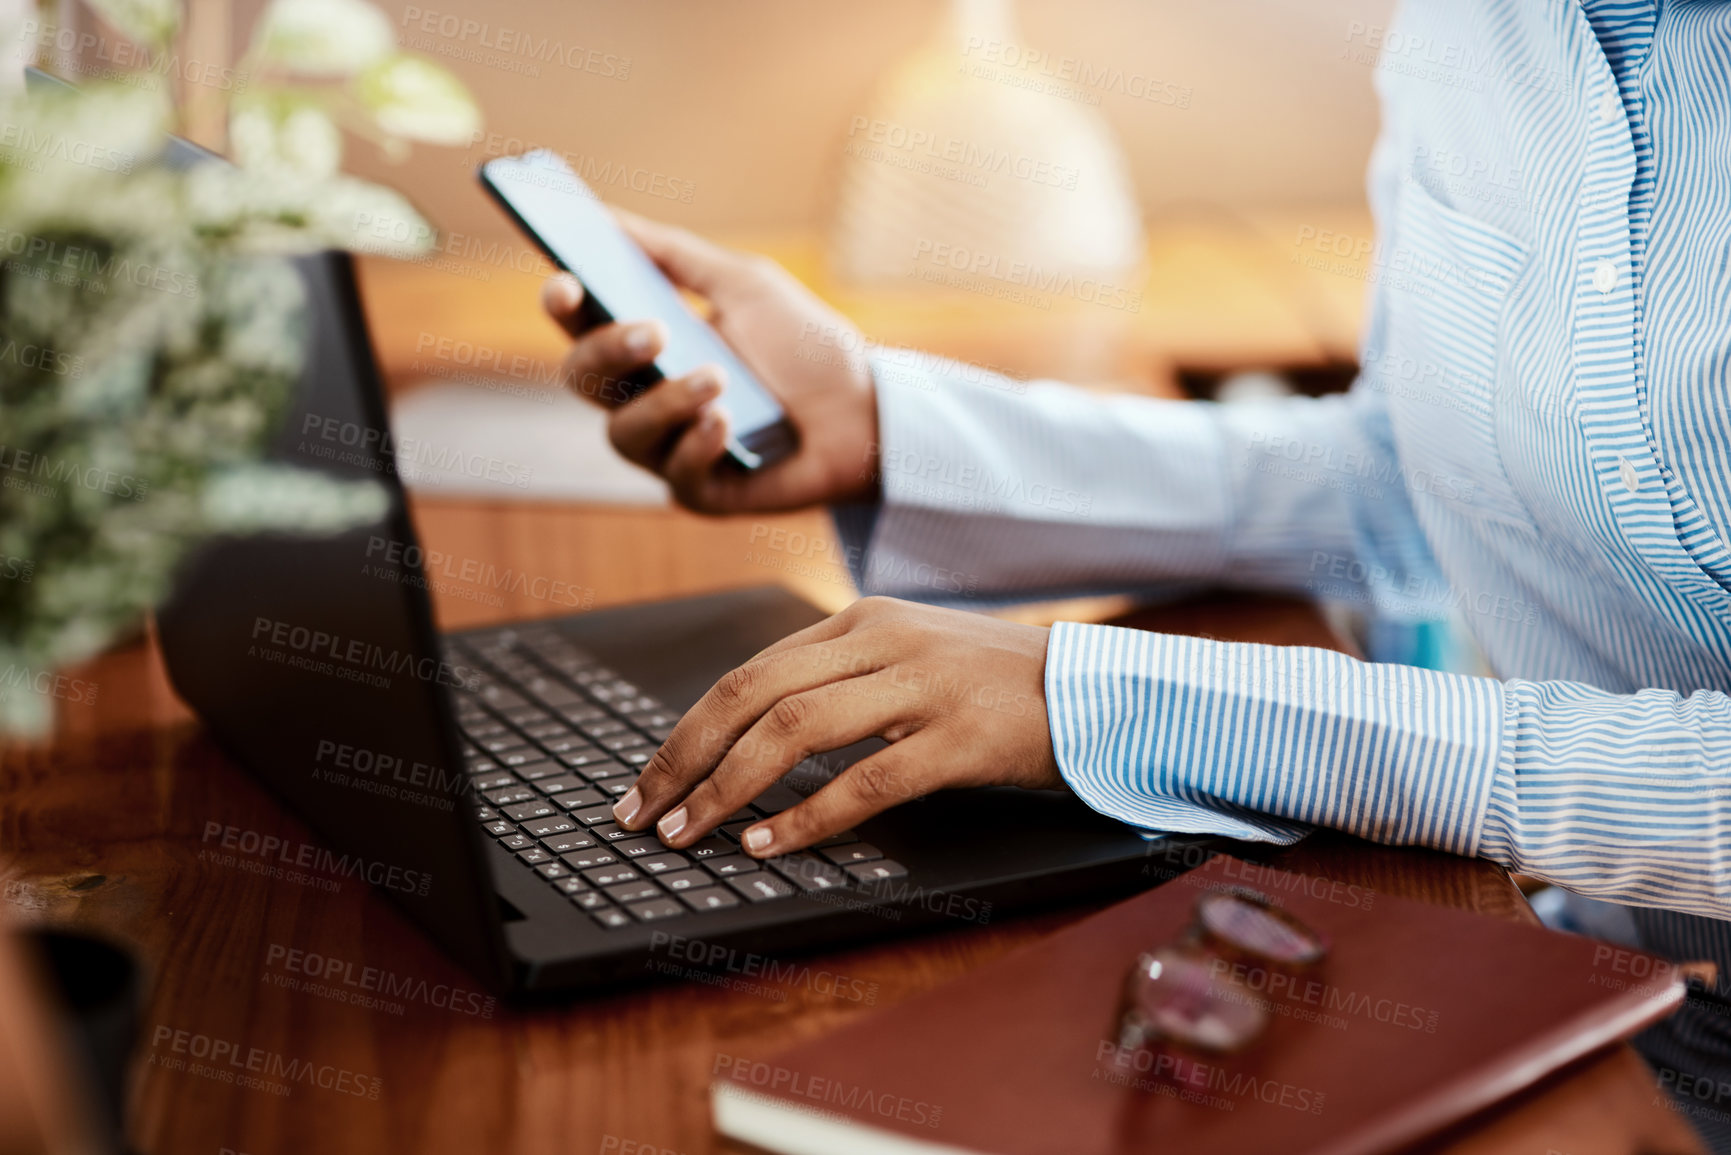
x: 102, y: 827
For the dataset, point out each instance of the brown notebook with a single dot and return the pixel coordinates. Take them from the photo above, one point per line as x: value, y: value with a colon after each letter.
x: 1419, y: 1016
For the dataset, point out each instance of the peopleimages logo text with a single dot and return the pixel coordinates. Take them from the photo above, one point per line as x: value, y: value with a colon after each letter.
x: 361, y: 654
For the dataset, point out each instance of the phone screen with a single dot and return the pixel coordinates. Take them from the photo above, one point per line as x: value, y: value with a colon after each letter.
x: 575, y: 229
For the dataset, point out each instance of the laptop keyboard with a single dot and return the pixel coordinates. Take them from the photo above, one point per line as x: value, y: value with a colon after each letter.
x: 551, y: 737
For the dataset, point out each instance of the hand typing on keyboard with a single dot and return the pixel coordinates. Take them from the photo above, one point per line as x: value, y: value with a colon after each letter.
x: 960, y: 698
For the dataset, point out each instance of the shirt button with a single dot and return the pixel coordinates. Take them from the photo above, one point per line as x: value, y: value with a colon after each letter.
x: 1608, y: 106
x: 1631, y: 480
x: 1604, y: 276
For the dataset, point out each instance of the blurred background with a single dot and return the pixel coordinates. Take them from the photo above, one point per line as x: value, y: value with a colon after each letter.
x: 1138, y: 195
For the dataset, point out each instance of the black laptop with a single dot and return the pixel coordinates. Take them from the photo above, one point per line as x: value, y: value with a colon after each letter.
x: 483, y: 764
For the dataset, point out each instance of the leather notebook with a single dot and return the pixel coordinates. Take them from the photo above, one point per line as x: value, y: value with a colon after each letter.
x: 1418, y: 1016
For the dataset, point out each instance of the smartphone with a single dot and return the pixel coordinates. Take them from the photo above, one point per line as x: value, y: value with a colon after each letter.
x: 567, y: 220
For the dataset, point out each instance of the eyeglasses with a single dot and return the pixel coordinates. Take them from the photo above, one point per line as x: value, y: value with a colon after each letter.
x: 1184, y: 992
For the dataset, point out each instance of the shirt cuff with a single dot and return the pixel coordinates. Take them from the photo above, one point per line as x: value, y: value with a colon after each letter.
x: 1263, y: 742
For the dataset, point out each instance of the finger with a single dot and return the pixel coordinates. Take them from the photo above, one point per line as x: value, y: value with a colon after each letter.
x: 562, y: 297
x: 644, y: 430
x: 729, y: 709
x: 688, y: 260
x: 826, y: 718
x: 856, y: 615
x: 598, y: 363
x: 894, y: 775
x: 690, y: 466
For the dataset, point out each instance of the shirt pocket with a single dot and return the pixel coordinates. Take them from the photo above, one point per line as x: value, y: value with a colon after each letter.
x: 1435, y: 347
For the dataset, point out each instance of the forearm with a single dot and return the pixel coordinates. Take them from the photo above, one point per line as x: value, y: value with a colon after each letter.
x: 1623, y: 796
x: 1030, y: 490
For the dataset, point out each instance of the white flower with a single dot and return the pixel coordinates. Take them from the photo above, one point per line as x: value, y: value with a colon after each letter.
x: 415, y: 98
x: 324, y: 37
x: 248, y: 498
x: 292, y: 135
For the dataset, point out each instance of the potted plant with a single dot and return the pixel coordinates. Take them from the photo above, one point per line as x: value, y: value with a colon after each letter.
x: 150, y: 322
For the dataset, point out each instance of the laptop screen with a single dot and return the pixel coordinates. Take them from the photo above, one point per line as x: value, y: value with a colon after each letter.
x: 314, y: 661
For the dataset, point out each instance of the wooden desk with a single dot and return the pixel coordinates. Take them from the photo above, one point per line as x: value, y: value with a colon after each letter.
x: 103, y: 828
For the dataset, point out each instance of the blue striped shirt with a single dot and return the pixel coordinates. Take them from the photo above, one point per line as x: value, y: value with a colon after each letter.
x: 1539, y: 441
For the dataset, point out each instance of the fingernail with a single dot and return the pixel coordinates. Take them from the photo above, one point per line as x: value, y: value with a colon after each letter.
x: 640, y: 339
x: 627, y: 807
x: 672, y: 824
x: 566, y: 294
x: 758, y: 838
x: 705, y: 384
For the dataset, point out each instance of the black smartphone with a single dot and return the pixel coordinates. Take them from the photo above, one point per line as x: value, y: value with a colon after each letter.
x: 567, y: 220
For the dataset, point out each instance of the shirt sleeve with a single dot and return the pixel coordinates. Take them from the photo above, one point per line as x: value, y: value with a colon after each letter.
x: 1616, y: 796
x: 994, y: 488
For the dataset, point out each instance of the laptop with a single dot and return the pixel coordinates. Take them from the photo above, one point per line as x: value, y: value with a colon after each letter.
x: 470, y: 775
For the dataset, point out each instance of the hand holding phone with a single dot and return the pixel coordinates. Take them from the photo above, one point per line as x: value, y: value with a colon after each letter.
x: 806, y: 357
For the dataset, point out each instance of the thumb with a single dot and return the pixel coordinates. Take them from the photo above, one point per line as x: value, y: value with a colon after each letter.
x: 688, y: 260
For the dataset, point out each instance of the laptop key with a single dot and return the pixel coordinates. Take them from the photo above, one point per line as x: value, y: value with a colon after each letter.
x: 563, y: 783
x: 685, y: 880
x: 633, y: 892
x: 542, y: 827
x: 851, y: 853
x: 840, y: 839
x: 877, y: 871
x: 711, y: 847
x: 780, y: 796
x: 808, y: 872
x: 515, y: 841
x: 503, y: 741
x: 486, y: 813
x: 606, y: 726
x: 499, y: 828
x: 709, y: 898
x: 657, y: 908
x: 638, y: 847
x: 734, y: 829
x: 565, y: 843
x: 510, y: 795
x: 571, y: 884
x: 639, y: 757
x: 620, y: 743
x: 613, y: 832
x: 551, y: 730
x: 761, y: 887
x: 600, y: 771
x: 566, y: 743
x: 519, y: 757
x: 501, y: 699
x: 611, y: 875
x: 545, y: 768
x: 589, y: 858
x: 662, y: 863
x: 553, y: 870
x: 611, y: 917
x: 534, y: 855
x: 524, y: 811
x: 615, y: 786
x: 729, y: 865
x: 585, y: 756
x: 581, y: 798
x: 497, y: 779
x: 593, y: 815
